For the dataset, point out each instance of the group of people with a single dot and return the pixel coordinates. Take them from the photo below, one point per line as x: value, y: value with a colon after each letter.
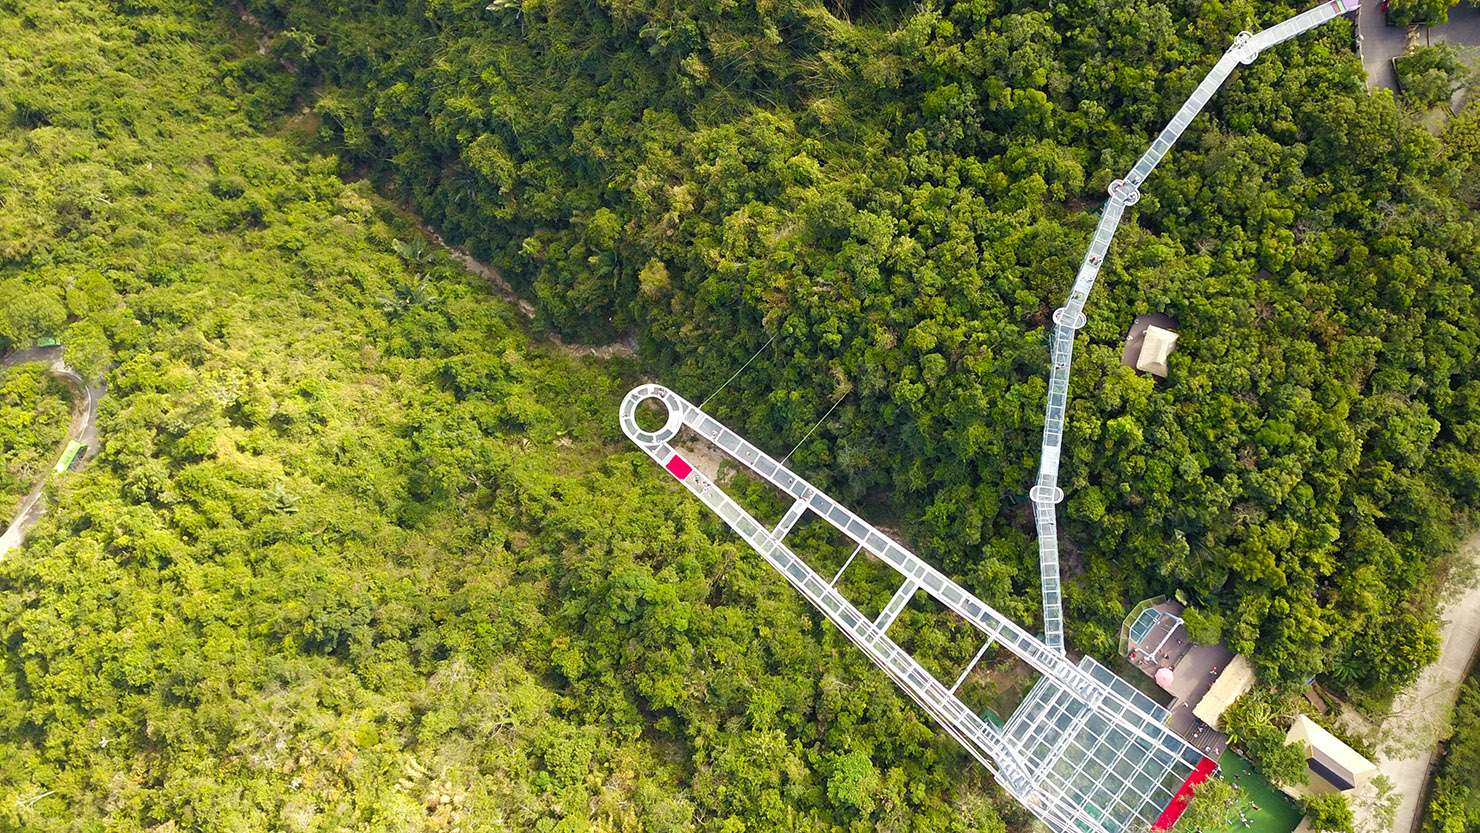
x: 1242, y: 816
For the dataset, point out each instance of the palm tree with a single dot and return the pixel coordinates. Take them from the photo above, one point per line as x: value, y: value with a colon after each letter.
x: 283, y: 501
x: 405, y: 296
x: 418, y: 252
x: 1346, y: 668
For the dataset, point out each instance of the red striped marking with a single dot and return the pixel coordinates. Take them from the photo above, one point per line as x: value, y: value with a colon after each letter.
x: 678, y: 467
x: 1178, y: 804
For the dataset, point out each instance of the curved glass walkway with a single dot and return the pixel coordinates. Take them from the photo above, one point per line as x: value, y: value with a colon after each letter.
x: 1124, y: 193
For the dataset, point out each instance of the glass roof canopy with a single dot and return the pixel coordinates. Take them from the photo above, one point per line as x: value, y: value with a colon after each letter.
x: 1143, y: 625
x: 1119, y: 779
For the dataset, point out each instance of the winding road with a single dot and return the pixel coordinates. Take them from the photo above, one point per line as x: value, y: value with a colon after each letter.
x: 84, y: 429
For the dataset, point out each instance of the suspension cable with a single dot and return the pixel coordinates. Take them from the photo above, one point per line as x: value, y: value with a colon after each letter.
x: 737, y: 373
x: 814, y: 427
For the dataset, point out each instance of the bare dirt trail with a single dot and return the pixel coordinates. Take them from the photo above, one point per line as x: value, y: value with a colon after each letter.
x: 84, y: 429
x: 626, y: 348
x: 1407, y: 738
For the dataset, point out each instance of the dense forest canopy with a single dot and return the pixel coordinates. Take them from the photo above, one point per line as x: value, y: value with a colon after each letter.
x: 356, y: 541
x: 899, y: 196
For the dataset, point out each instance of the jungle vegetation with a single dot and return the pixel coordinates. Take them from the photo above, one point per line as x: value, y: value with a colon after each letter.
x: 35, y: 409
x: 1419, y: 12
x: 363, y: 549
x: 1454, y: 794
x: 1429, y: 75
x: 355, y: 540
x: 1213, y: 806
x: 896, y: 198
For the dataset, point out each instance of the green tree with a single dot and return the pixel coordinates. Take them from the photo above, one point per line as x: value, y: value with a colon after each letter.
x: 1203, y: 626
x: 28, y: 312
x: 35, y: 412
x: 1214, y: 806
x: 1330, y: 812
x: 1419, y: 12
x: 854, y: 781
x: 1454, y: 798
x: 1285, y: 764
x: 1429, y: 75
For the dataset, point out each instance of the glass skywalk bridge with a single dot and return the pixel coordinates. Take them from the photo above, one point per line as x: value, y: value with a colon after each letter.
x: 1084, y: 751
x: 1069, y: 318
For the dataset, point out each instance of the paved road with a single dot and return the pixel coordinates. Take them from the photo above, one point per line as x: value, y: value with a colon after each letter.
x: 1381, y: 43
x: 84, y: 429
x: 1463, y: 29
x: 1463, y: 26
x: 1409, y: 733
x: 1409, y: 730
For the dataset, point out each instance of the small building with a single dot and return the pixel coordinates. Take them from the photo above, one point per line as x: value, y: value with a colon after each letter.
x: 1333, y: 766
x: 1235, y: 681
x: 1154, y: 640
x: 1154, y: 351
x: 1150, y: 341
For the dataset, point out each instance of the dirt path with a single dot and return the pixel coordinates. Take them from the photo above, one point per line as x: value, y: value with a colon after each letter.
x: 1420, y: 714
x: 84, y: 429
x: 627, y: 347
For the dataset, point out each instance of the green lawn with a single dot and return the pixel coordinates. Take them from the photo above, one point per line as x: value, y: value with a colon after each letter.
x: 1276, y: 813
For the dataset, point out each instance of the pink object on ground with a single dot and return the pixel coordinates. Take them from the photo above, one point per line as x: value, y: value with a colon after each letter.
x: 679, y: 467
x: 1164, y: 677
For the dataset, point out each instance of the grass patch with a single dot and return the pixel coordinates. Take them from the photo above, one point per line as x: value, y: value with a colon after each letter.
x: 1277, y: 812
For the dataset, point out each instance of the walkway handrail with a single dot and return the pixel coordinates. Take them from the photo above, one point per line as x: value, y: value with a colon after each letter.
x: 985, y: 741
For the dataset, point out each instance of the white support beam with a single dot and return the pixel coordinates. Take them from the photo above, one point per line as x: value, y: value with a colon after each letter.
x: 856, y: 550
x: 896, y: 605
x: 974, y: 660
x: 790, y: 519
